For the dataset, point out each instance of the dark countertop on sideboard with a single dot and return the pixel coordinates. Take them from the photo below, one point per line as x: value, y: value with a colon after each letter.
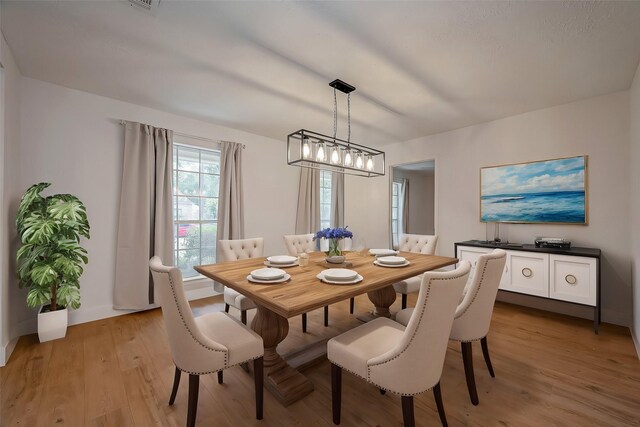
x: 575, y: 251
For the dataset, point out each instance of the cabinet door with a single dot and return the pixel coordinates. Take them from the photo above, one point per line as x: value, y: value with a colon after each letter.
x: 573, y: 279
x: 528, y: 273
x: 471, y: 254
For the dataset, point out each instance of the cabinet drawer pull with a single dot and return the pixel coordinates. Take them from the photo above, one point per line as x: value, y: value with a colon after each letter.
x: 527, y: 272
x: 571, y: 279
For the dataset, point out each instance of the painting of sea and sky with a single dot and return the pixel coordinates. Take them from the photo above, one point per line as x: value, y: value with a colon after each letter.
x: 550, y: 191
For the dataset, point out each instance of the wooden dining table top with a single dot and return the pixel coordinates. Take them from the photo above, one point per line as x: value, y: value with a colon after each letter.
x: 305, y: 292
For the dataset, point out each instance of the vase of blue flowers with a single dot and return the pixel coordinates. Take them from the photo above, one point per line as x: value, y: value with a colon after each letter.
x: 334, y: 235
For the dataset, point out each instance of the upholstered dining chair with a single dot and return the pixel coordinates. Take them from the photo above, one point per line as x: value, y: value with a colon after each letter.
x: 297, y: 244
x: 205, y: 344
x: 420, y: 244
x: 473, y: 315
x: 233, y: 250
x: 403, y: 360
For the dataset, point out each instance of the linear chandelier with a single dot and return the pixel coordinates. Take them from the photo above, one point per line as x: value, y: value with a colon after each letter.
x: 314, y: 150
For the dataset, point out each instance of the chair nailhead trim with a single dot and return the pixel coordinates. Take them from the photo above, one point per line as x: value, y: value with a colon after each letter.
x: 175, y: 298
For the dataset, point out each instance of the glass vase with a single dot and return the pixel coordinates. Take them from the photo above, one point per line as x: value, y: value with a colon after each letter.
x: 334, y: 248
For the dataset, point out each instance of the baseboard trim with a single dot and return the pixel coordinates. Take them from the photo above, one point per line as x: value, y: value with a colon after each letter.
x: 636, y: 343
x: 193, y: 291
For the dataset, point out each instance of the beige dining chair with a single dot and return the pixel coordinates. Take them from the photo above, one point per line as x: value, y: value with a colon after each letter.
x: 473, y: 315
x: 403, y: 360
x: 419, y: 244
x: 205, y: 344
x: 297, y: 244
x: 233, y: 250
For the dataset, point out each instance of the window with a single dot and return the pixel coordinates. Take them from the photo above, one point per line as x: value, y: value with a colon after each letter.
x: 196, y: 182
x: 395, y: 213
x: 325, y: 199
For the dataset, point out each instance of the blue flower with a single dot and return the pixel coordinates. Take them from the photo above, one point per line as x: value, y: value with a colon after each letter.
x: 333, y: 233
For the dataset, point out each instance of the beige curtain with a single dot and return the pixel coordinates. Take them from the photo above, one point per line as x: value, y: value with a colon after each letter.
x: 404, y: 205
x: 337, y: 199
x: 230, y: 199
x: 308, y: 214
x: 145, y: 226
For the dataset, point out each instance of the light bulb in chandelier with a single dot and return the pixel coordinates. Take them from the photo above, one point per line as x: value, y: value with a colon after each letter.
x: 359, y: 161
x: 306, y: 149
x: 320, y: 153
x: 369, y: 163
x: 348, y: 159
x: 335, y: 156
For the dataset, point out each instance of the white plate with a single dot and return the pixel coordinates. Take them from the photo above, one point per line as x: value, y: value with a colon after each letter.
x: 268, y: 264
x: 268, y: 274
x: 382, y: 252
x: 391, y: 260
x: 391, y: 265
x: 280, y: 280
x: 282, y: 259
x: 358, y: 279
x: 339, y: 274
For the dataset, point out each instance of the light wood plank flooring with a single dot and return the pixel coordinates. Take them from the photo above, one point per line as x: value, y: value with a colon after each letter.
x: 551, y: 370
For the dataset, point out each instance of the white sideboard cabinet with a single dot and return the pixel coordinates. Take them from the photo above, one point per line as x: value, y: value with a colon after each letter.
x: 569, y: 275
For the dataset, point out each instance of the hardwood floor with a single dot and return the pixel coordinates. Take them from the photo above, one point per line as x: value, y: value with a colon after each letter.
x: 551, y: 370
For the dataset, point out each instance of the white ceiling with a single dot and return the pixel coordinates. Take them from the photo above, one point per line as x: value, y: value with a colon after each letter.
x: 264, y: 67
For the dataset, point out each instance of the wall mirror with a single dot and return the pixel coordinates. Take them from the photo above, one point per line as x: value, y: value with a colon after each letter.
x: 412, y: 199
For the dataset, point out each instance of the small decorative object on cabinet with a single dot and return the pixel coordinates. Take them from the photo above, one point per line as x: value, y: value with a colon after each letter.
x: 50, y: 258
x: 569, y: 275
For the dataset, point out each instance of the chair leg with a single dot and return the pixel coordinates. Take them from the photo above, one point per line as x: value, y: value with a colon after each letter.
x: 176, y: 383
x: 407, y: 411
x: 258, y: 376
x: 220, y: 377
x: 352, y: 305
x: 487, y: 359
x: 192, y: 408
x: 243, y: 316
x: 326, y: 315
x: 467, y: 360
x: 304, y: 322
x: 336, y: 392
x: 438, y: 396
x: 226, y: 308
x: 404, y: 301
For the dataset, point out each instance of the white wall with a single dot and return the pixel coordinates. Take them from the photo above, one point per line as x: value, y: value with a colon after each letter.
x: 9, y: 313
x: 598, y: 127
x: 421, y: 200
x: 634, y: 196
x: 73, y: 140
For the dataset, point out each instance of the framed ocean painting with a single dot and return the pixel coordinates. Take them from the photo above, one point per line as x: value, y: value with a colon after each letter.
x: 548, y: 191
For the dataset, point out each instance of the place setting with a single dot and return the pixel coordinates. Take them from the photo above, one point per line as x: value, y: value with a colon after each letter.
x: 268, y: 276
x: 281, y: 261
x: 391, y: 261
x: 339, y: 276
x: 383, y: 252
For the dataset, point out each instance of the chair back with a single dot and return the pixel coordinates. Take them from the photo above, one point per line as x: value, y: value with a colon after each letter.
x: 299, y: 243
x: 418, y: 243
x: 473, y: 315
x: 415, y: 364
x: 233, y: 250
x: 191, y: 350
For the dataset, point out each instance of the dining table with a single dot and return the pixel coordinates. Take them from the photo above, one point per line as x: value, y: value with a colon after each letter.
x: 303, y: 292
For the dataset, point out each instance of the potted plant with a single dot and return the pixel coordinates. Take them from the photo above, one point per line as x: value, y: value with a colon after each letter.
x: 334, y: 235
x: 50, y: 259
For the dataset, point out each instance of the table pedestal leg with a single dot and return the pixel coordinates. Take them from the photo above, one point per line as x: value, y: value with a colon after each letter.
x: 284, y: 382
x: 382, y: 299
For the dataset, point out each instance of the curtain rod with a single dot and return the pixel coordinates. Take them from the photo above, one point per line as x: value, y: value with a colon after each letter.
x: 201, y: 138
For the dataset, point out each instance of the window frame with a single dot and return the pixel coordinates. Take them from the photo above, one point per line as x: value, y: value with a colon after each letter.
x: 325, y: 222
x: 396, y: 188
x: 200, y: 145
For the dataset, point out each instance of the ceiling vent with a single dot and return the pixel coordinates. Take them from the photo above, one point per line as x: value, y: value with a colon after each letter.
x: 147, y: 5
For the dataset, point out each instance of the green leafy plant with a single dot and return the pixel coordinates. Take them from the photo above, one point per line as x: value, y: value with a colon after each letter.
x: 50, y: 259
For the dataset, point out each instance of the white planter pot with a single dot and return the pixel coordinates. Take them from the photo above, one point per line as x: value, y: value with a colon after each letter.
x: 52, y: 325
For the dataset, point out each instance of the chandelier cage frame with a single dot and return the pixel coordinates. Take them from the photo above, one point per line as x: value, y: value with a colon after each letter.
x: 314, y: 150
